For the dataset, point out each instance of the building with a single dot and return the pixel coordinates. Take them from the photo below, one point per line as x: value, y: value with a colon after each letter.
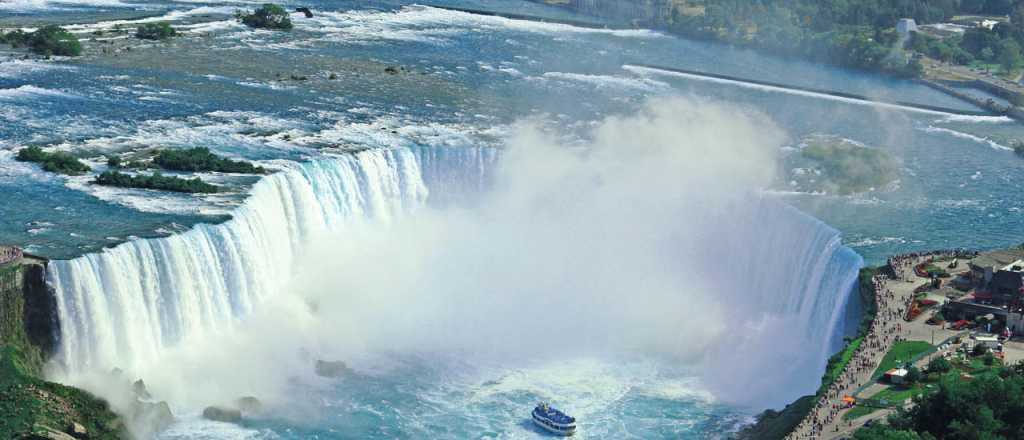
x: 986, y: 264
x: 990, y: 342
x: 9, y: 254
x: 1005, y: 286
x: 905, y: 26
x: 957, y: 310
x: 896, y: 376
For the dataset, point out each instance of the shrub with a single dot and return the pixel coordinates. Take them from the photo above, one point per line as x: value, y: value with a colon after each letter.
x: 913, y: 375
x: 155, y: 31
x: 53, y: 40
x: 268, y: 16
x: 201, y: 159
x: 979, y: 350
x: 58, y: 162
x: 939, y: 364
x: 155, y: 181
x: 113, y: 161
x: 989, y: 359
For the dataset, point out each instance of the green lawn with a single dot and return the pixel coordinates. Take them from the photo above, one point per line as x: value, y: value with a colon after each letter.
x: 900, y: 353
x: 892, y: 395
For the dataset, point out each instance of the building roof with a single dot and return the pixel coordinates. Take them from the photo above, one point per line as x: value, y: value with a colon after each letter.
x: 998, y: 259
x: 900, y: 372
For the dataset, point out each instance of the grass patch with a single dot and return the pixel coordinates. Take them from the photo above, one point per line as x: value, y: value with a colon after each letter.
x: 27, y: 403
x: 838, y: 362
x: 893, y: 396
x: 901, y: 353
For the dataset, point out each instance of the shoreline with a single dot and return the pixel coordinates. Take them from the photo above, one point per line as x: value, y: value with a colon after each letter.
x: 887, y: 327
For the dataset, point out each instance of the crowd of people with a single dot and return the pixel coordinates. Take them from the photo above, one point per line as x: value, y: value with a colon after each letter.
x: 903, y: 270
x: 884, y: 331
x: 9, y: 254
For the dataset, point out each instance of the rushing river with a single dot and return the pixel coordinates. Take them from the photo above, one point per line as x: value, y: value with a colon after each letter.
x: 360, y: 151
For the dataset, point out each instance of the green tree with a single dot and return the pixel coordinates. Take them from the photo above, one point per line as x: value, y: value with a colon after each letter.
x: 913, y: 375
x: 155, y: 31
x: 988, y: 54
x: 939, y: 364
x: 54, y: 40
x: 1009, y: 54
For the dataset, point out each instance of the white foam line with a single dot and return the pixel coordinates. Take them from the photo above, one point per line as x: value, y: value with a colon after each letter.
x: 647, y: 70
x: 968, y: 136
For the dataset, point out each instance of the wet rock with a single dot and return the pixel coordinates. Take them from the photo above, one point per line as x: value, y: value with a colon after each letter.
x: 249, y: 405
x: 391, y: 70
x: 139, y: 388
x: 152, y: 417
x: 331, y: 369
x: 222, y: 414
x: 305, y: 11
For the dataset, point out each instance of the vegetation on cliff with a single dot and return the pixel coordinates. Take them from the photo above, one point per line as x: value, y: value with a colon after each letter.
x: 57, y: 162
x: 201, y: 159
x: 268, y: 16
x: 47, y: 40
x: 29, y: 405
x: 155, y: 181
x: 155, y: 31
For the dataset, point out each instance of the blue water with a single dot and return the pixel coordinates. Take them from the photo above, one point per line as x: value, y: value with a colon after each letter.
x: 468, y: 77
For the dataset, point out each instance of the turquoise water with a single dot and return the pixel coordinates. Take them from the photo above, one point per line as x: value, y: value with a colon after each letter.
x: 467, y: 78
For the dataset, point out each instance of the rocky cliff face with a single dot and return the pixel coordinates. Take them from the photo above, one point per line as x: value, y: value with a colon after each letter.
x: 29, y: 311
x: 31, y: 407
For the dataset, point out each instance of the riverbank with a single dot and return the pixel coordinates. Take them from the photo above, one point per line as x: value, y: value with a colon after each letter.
x: 894, y: 290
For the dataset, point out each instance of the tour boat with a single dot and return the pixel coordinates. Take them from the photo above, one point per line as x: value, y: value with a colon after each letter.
x: 553, y: 420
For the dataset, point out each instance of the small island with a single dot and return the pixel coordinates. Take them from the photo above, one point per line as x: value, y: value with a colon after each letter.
x: 58, y: 162
x: 46, y: 41
x: 155, y: 31
x: 155, y: 181
x: 201, y: 159
x: 268, y: 16
x: 835, y: 165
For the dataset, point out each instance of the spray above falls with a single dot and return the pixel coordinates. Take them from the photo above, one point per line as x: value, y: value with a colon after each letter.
x: 651, y: 240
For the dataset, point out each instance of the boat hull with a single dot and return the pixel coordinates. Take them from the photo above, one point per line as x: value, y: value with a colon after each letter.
x: 551, y: 428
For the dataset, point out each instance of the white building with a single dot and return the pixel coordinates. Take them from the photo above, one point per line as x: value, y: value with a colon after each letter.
x: 905, y: 26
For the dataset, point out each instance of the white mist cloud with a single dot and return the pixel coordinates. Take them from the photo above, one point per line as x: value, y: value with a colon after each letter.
x: 621, y: 246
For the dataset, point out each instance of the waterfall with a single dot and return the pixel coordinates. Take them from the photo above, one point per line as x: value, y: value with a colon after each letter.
x: 784, y: 276
x: 125, y: 305
x: 788, y: 281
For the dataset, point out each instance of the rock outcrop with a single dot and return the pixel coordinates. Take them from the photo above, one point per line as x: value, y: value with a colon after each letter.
x: 250, y: 405
x: 222, y: 414
x: 331, y: 369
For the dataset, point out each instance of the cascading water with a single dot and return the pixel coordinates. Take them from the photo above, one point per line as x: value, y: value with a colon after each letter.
x: 790, y: 285
x: 787, y: 278
x: 123, y: 306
